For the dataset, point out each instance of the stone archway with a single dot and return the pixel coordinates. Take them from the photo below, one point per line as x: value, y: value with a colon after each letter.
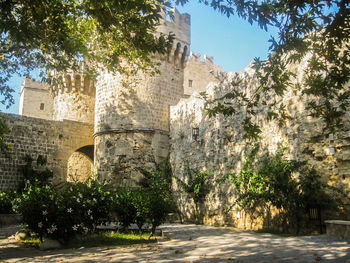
x: 80, y: 164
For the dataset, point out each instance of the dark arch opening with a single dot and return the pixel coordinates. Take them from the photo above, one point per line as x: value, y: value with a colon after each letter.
x: 184, y: 55
x: 177, y: 51
x: 88, y: 150
x: 80, y: 164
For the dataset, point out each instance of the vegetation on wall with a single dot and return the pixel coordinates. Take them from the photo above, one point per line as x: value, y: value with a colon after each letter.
x: 196, y: 185
x: 274, y: 182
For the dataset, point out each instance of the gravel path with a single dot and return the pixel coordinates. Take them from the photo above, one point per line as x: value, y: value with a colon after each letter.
x: 193, y: 243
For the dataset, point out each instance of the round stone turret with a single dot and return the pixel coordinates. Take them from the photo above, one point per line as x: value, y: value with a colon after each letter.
x: 74, y: 96
x: 132, y: 111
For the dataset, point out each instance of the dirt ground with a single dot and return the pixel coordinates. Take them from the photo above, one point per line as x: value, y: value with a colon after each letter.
x: 194, y: 243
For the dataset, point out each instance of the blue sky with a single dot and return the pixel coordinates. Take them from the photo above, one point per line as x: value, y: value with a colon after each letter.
x: 233, y: 42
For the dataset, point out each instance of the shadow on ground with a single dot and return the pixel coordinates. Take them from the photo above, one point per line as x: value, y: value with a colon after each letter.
x: 193, y: 243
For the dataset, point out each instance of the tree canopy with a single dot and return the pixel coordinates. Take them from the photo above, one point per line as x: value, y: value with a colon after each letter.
x: 313, y: 32
x: 54, y: 34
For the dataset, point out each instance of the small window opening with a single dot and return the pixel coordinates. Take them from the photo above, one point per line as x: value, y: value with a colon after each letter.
x: 195, y: 133
x: 42, y: 105
x: 190, y: 83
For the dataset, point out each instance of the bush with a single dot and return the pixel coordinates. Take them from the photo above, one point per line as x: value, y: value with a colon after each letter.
x: 38, y: 206
x: 124, y: 208
x: 6, y: 201
x: 196, y: 186
x: 75, y: 210
x: 274, y: 181
x: 158, y: 206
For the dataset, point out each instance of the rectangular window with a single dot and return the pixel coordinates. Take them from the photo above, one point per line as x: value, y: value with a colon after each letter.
x: 190, y: 82
x: 42, y: 105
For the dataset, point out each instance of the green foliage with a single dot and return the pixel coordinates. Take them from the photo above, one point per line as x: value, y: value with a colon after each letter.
x: 39, y: 175
x: 311, y: 32
x: 196, y: 186
x: 195, y: 183
x: 38, y: 206
x: 149, y: 204
x: 290, y: 186
x: 62, y: 215
x: 6, y: 201
x: 54, y: 34
x: 77, y: 208
x: 124, y: 208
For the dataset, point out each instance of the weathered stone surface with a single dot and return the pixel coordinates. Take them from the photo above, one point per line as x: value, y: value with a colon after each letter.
x: 9, y: 219
x: 220, y: 146
x: 338, y: 228
x: 55, y: 140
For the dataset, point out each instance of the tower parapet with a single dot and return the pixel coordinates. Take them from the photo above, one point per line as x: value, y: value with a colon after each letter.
x: 198, y: 74
x: 74, y: 96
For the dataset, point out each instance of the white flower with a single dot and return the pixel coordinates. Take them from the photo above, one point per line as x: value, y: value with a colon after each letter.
x: 91, y: 218
x: 94, y: 199
x: 80, y: 195
x: 75, y: 227
x: 40, y: 224
x: 44, y: 213
x: 52, y: 229
x: 69, y: 210
x: 89, y: 212
x: 78, y: 200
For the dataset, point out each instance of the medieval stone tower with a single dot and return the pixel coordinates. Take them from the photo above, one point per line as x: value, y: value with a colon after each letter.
x: 74, y: 97
x: 132, y: 112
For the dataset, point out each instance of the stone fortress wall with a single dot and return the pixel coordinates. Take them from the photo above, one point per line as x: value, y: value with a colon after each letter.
x: 55, y: 140
x: 123, y: 123
x: 220, y: 146
x: 198, y: 74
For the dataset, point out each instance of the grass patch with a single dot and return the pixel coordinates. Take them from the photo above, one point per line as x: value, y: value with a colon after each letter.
x: 111, y: 239
x: 99, y: 239
x: 31, y: 242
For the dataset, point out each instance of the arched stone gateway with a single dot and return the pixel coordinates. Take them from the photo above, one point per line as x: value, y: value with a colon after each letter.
x: 80, y: 164
x: 56, y: 140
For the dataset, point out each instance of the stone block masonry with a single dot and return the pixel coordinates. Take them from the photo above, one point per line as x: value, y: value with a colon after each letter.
x: 132, y: 111
x: 220, y: 145
x: 55, y: 140
x: 35, y: 100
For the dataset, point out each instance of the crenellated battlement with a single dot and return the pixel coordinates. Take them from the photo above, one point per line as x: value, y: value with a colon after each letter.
x: 178, y: 24
x: 72, y: 82
x: 198, y: 74
x: 197, y: 57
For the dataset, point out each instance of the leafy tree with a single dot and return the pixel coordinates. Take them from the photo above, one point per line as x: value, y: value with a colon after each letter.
x: 312, y: 32
x: 55, y: 34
